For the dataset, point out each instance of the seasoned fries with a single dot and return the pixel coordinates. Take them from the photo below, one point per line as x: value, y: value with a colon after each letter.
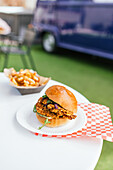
x: 24, y: 78
x: 26, y: 81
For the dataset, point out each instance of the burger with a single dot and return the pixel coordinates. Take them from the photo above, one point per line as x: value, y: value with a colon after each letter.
x: 56, y: 107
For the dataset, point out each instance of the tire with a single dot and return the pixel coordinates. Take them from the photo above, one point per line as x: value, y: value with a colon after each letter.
x: 49, y: 42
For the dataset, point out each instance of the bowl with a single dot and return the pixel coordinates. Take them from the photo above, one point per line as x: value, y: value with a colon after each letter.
x: 30, y: 90
x: 27, y: 89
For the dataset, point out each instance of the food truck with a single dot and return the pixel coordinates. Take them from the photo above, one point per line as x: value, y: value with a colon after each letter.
x: 80, y: 25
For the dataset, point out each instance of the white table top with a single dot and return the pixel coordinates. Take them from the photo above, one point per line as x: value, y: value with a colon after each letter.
x: 21, y: 150
x: 15, y: 10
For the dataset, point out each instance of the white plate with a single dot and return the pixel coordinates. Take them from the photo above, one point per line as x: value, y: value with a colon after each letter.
x: 27, y: 118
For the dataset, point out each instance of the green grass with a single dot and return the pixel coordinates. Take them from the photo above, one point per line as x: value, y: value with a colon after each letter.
x: 91, y: 77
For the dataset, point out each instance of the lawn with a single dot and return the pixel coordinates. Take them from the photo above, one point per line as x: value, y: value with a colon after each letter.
x: 90, y: 76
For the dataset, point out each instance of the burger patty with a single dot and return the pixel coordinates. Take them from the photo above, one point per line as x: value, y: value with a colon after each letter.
x: 48, y: 108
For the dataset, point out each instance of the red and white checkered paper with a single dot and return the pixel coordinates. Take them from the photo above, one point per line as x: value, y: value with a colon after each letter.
x: 99, y: 123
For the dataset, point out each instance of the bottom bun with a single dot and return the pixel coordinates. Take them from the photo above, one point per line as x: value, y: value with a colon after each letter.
x: 53, y: 122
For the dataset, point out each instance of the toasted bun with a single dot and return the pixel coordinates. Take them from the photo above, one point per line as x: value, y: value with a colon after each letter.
x: 63, y: 97
x: 54, y: 122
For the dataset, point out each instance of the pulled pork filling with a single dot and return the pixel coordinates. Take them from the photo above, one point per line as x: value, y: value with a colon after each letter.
x: 48, y: 108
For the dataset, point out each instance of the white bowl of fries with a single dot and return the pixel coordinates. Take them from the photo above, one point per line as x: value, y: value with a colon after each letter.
x: 26, y: 81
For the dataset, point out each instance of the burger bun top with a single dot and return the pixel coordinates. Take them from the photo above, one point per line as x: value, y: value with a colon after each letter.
x: 62, y: 96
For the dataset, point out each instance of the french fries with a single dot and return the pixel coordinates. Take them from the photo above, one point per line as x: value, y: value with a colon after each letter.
x: 24, y: 78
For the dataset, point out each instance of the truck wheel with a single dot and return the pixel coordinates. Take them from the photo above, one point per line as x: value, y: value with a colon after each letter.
x: 49, y: 42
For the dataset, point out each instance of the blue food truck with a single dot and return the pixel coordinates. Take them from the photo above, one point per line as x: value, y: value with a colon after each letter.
x: 80, y: 25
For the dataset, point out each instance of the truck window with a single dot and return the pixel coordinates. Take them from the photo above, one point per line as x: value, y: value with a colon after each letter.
x: 48, y: 0
x: 73, y: 0
x: 103, y: 1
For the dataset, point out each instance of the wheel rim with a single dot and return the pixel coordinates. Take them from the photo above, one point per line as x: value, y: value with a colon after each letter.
x: 49, y: 42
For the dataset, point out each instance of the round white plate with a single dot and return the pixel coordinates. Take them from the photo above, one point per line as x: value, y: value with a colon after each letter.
x: 27, y: 118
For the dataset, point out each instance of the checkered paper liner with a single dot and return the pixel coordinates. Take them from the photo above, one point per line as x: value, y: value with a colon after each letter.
x: 99, y: 123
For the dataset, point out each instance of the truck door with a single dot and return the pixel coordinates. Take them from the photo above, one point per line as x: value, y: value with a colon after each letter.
x: 70, y: 17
